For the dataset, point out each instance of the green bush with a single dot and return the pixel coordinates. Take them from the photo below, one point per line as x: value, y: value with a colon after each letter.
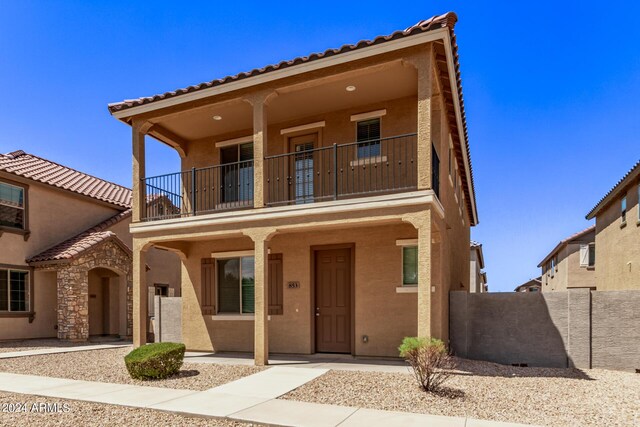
x: 155, y: 361
x: 429, y: 359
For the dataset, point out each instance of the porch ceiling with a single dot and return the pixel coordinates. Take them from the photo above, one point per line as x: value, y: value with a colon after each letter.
x: 310, y: 99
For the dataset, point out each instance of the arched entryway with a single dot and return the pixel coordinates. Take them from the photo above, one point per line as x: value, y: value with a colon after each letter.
x: 107, y: 303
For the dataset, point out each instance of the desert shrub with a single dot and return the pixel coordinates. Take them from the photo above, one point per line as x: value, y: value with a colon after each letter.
x: 429, y: 360
x: 155, y: 361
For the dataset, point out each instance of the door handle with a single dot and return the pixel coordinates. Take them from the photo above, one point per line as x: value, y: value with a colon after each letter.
x: 317, y: 311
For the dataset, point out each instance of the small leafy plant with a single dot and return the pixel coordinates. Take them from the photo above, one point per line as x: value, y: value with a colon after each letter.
x: 155, y: 361
x: 429, y: 360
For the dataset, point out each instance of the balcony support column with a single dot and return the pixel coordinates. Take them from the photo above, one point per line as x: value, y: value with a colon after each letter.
x: 423, y: 62
x: 140, y: 297
x: 260, y: 102
x: 261, y: 239
x: 139, y: 130
x: 422, y: 222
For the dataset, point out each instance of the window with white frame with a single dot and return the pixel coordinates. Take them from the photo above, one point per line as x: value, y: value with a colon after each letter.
x: 236, y: 281
x: 623, y: 209
x: 368, y: 138
x: 409, y: 265
x: 14, y: 290
x: 12, y: 206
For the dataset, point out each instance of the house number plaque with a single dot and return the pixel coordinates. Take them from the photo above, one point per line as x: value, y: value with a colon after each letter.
x: 293, y: 285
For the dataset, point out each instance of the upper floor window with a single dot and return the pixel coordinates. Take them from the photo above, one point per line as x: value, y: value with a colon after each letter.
x: 14, y: 290
x: 12, y: 206
x: 592, y: 254
x: 368, y: 138
x: 623, y: 209
x: 588, y: 255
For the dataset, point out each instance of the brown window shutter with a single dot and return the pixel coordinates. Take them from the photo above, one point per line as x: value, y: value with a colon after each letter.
x: 275, y: 284
x: 208, y: 296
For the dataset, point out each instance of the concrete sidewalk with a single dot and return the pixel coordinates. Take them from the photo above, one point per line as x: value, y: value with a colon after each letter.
x: 315, y: 361
x: 54, y: 350
x: 250, y: 399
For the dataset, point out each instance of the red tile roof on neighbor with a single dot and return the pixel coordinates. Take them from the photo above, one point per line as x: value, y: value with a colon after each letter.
x: 614, y: 191
x: 45, y: 171
x: 447, y: 20
x: 565, y: 241
x: 75, y: 246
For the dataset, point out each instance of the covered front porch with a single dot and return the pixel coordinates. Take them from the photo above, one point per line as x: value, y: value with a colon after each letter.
x: 317, y: 281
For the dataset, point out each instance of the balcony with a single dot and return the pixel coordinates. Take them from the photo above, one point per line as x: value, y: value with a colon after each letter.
x: 307, y: 175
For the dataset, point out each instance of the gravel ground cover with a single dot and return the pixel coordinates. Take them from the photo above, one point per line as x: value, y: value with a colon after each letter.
x: 77, y: 413
x: 38, y: 344
x: 108, y: 366
x: 556, y: 397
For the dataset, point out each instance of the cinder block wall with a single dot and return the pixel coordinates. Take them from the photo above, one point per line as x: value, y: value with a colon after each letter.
x: 578, y: 328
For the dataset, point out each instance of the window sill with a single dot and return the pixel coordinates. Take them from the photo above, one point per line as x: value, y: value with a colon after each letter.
x: 18, y: 314
x: 407, y: 289
x: 591, y: 267
x: 623, y: 224
x: 638, y: 223
x: 11, y: 230
x: 224, y: 317
x: 368, y: 160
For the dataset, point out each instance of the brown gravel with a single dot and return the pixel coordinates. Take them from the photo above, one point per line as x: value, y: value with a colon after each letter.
x: 93, y: 414
x: 557, y: 397
x: 108, y: 366
x: 37, y: 344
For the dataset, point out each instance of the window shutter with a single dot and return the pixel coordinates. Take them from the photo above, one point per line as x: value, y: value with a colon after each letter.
x: 275, y: 284
x: 584, y: 255
x: 207, y: 287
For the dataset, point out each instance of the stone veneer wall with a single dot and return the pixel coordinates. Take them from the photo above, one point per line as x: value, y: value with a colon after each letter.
x: 73, y: 289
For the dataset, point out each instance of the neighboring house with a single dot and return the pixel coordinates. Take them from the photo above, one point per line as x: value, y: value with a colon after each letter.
x: 324, y: 202
x: 571, y: 264
x: 617, y: 238
x: 533, y: 285
x: 65, y: 264
x: 478, y: 278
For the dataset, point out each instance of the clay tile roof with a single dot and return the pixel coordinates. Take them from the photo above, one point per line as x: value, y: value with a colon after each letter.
x: 45, y: 171
x: 614, y: 190
x: 447, y: 20
x: 565, y: 241
x: 71, y: 248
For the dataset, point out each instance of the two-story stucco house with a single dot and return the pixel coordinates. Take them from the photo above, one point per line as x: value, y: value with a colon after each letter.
x: 571, y: 263
x: 617, y: 234
x: 323, y: 203
x: 65, y: 263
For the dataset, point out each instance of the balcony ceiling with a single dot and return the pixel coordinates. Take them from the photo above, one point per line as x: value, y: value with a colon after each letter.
x: 309, y: 99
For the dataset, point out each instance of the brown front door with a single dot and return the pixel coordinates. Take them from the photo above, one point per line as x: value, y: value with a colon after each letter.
x: 333, y: 301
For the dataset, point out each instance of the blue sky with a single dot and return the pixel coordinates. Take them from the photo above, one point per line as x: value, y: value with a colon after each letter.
x: 551, y: 91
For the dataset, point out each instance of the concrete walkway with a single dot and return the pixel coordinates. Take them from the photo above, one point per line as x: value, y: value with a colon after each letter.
x: 315, y: 361
x: 54, y: 350
x: 250, y: 399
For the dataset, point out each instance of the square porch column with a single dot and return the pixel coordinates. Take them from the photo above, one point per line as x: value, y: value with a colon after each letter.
x: 138, y: 191
x: 140, y: 295
x: 424, y: 64
x: 261, y: 295
x: 424, y: 276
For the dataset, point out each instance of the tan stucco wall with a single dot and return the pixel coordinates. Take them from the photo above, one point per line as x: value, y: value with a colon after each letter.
x: 618, y: 248
x: 381, y: 313
x: 54, y: 216
x: 569, y: 273
x: 164, y: 266
x: 43, y: 325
